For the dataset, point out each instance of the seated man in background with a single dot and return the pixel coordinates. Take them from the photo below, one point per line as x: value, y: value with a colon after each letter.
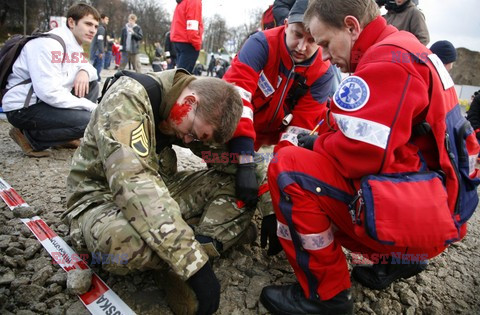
x: 53, y: 89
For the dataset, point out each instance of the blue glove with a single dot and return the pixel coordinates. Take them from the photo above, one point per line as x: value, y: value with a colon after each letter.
x: 306, y: 141
x: 269, y: 232
x: 246, y: 185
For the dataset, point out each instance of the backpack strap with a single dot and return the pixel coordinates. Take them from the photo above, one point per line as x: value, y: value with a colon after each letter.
x: 154, y: 92
x: 152, y: 86
x: 48, y: 35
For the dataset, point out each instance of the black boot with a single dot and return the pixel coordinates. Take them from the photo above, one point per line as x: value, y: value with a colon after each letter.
x: 290, y: 300
x: 381, y: 275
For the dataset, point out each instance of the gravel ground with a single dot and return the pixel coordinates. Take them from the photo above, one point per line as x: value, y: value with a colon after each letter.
x: 31, y: 284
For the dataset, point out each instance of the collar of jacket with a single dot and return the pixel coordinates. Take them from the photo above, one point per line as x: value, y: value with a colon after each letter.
x: 375, y: 31
x: 173, y: 83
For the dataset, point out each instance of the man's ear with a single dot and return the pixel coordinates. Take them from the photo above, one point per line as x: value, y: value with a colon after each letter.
x: 353, y: 26
x: 70, y: 23
x: 190, y: 99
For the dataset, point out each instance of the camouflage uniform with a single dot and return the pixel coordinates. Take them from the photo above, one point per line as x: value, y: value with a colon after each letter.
x: 125, y: 196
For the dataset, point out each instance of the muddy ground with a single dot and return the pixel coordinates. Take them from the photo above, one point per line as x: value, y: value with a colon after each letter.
x: 31, y: 284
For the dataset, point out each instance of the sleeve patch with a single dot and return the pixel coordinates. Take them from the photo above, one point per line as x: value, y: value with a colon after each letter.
x: 352, y: 94
x: 192, y: 25
x: 139, y: 141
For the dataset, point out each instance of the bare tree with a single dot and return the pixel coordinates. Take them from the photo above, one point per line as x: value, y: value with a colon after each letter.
x: 215, y: 34
x: 116, y: 10
x: 239, y: 34
x: 153, y: 19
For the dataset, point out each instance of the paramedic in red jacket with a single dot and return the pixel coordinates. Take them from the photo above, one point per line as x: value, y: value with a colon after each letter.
x: 375, y: 110
x: 186, y: 32
x: 284, y: 85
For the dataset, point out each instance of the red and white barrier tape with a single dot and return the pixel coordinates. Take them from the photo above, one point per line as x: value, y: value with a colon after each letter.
x: 100, y: 299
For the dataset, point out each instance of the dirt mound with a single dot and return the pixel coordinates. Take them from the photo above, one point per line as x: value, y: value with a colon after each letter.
x: 466, y: 70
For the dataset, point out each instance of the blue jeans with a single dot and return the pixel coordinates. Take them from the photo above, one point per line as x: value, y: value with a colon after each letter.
x: 46, y: 126
x: 107, y: 59
x: 98, y: 65
x: 186, y: 56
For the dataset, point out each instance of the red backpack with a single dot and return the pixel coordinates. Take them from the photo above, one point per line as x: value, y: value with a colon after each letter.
x: 268, y: 20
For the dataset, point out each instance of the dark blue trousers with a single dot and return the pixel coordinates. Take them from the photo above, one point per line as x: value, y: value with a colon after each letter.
x: 186, y: 56
x: 46, y: 126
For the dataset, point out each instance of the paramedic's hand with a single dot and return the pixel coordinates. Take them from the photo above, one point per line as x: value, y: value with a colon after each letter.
x: 246, y: 185
x: 306, y: 141
x: 81, y: 83
x: 269, y: 232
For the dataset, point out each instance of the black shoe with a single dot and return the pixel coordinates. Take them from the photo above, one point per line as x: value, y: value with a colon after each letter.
x: 380, y: 276
x: 290, y: 300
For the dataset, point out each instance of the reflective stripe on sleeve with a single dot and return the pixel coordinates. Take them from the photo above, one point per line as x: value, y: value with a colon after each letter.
x: 290, y: 137
x: 314, y: 241
x: 363, y: 130
x: 247, y: 113
x: 297, y: 130
x: 244, y: 94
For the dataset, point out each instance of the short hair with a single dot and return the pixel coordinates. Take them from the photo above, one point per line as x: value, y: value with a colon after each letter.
x: 219, y: 104
x: 132, y: 16
x: 333, y: 12
x: 80, y: 10
x: 103, y: 15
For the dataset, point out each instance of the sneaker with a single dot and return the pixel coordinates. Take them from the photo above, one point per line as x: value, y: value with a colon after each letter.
x: 22, y: 141
x: 290, y: 300
x: 180, y: 296
x: 380, y: 276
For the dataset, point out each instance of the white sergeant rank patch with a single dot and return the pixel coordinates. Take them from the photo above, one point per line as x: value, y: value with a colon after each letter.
x: 352, y: 94
x: 139, y: 141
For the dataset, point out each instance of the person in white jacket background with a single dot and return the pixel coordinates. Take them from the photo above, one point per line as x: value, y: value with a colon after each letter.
x: 52, y: 90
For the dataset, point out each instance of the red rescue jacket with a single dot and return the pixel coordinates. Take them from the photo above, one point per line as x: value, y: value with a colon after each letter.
x: 264, y: 73
x: 403, y: 89
x: 187, y: 25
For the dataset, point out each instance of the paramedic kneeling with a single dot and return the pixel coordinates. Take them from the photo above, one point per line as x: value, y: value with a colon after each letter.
x: 382, y: 185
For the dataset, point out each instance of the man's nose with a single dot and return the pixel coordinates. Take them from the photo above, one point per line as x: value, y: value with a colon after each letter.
x: 302, y: 44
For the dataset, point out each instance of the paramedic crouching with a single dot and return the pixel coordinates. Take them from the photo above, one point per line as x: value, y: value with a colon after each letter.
x: 374, y: 185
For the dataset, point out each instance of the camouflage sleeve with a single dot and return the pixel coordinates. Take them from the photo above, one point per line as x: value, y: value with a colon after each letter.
x: 125, y: 139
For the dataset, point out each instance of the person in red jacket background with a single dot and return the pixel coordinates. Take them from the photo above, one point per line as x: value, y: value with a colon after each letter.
x: 380, y: 185
x: 186, y: 32
x: 284, y: 86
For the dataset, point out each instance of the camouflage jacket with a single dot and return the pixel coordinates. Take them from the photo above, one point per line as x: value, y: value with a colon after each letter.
x: 117, y: 162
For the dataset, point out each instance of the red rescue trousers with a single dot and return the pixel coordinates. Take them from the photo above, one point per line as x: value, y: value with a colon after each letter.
x: 310, y: 198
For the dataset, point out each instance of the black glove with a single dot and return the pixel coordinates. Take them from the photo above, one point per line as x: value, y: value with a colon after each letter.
x: 207, y: 289
x: 246, y: 185
x: 306, y: 141
x: 269, y: 230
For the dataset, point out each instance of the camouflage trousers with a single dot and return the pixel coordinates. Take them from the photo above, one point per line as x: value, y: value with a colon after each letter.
x: 207, y: 202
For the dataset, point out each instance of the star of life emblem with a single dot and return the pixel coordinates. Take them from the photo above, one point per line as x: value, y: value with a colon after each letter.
x: 352, y: 94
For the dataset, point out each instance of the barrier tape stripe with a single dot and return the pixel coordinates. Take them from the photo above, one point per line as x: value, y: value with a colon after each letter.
x: 100, y: 299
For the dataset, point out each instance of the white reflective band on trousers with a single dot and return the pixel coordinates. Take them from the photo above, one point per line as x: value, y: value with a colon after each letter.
x: 100, y: 299
x: 314, y: 241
